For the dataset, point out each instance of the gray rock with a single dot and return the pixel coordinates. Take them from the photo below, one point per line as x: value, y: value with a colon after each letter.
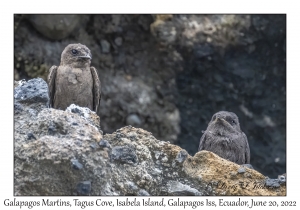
x: 248, y: 166
x: 33, y: 91
x: 119, y: 41
x: 55, y: 27
x: 181, y: 156
x: 93, y: 145
x: 18, y: 108
x: 132, y: 186
x: 273, y: 183
x: 76, y: 164
x: 282, y: 179
x: 133, y: 120
x: 143, y: 193
x: 30, y: 136
x: 84, y: 188
x: 124, y: 154
x: 178, y: 189
x: 241, y: 170
x: 105, y: 46
x: 104, y: 143
x: 47, y: 159
x: 85, y: 113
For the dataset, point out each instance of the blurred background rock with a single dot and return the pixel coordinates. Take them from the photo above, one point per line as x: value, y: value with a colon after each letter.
x: 169, y: 74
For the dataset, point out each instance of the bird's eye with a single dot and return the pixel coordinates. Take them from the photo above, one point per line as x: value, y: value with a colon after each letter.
x: 74, y: 52
x: 232, y: 121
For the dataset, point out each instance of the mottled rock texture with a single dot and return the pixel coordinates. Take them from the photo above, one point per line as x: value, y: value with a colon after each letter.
x: 55, y: 27
x: 59, y: 152
x: 168, y: 74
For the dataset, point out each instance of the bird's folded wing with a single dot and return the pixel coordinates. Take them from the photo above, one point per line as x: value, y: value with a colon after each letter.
x: 96, y: 89
x: 201, y: 144
x: 247, y: 152
x: 51, y: 83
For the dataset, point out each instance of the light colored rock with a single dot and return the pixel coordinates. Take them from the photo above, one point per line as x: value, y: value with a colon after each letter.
x: 85, y: 113
x: 177, y: 188
x: 133, y: 119
x: 44, y: 166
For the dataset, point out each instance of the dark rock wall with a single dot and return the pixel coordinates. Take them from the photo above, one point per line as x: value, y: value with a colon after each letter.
x: 169, y: 74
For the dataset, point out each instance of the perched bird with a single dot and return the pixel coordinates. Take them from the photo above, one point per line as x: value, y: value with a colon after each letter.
x: 225, y: 138
x: 74, y: 81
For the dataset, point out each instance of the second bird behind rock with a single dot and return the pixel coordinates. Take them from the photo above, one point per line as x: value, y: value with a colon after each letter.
x: 225, y: 138
x: 74, y: 81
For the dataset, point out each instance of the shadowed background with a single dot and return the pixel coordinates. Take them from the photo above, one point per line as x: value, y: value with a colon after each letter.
x: 169, y: 74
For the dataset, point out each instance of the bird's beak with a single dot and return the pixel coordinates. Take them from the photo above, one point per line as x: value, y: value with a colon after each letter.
x: 220, y: 120
x: 86, y: 56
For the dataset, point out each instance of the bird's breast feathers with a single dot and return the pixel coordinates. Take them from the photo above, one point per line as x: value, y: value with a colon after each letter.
x: 75, y: 75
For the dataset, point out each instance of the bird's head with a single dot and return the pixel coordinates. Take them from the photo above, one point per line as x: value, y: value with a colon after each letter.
x: 76, y: 55
x: 224, y: 121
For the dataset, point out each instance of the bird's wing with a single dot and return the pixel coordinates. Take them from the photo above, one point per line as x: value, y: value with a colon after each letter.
x: 96, y: 89
x: 247, y: 152
x: 51, y: 83
x: 201, y: 143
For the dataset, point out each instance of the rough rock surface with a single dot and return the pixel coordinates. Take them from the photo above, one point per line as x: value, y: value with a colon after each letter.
x: 64, y: 153
x: 168, y: 74
x: 55, y: 27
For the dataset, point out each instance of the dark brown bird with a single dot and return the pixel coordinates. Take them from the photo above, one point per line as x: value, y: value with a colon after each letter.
x: 225, y: 138
x: 74, y: 81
